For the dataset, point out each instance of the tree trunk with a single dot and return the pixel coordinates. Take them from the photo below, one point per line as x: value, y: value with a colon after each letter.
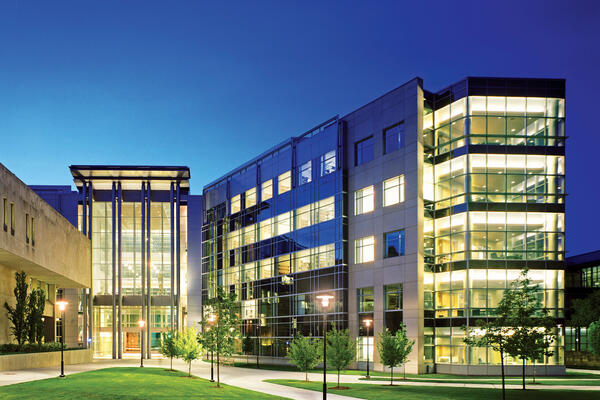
x: 523, y: 374
x: 171, y: 363
x: 190, y: 369
x: 502, y: 370
x: 533, y: 362
x: 306, y: 376
x: 404, y: 370
x: 218, y: 372
x: 392, y: 376
x: 338, y: 378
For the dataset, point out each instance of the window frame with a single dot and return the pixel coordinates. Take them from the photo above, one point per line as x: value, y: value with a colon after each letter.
x: 359, y: 199
x: 360, y: 143
x: 400, y: 190
x: 401, y: 243
x: 359, y: 248
x: 400, y: 141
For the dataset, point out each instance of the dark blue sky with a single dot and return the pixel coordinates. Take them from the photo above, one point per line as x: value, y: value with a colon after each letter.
x: 212, y: 85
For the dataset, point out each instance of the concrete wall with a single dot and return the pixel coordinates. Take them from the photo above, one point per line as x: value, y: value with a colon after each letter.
x: 58, y: 254
x: 14, y: 362
x: 511, y: 370
x: 401, y: 104
x: 61, y: 254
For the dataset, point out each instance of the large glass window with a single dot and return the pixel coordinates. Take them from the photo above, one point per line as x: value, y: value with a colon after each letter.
x: 364, y: 249
x: 285, y: 182
x: 251, y: 197
x: 365, y: 299
x: 590, y: 277
x: 394, y: 244
x: 327, y: 163
x: 267, y: 190
x: 236, y: 204
x: 363, y: 151
x: 305, y: 173
x: 364, y: 200
x: 393, y: 297
x: 393, y: 190
x: 393, y: 138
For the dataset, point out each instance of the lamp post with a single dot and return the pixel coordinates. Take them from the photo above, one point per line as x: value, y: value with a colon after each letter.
x: 62, y: 305
x: 211, y: 319
x: 325, y: 298
x: 141, y: 323
x: 367, y: 323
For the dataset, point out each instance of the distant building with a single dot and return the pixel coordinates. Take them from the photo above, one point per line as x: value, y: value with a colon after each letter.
x: 582, y: 278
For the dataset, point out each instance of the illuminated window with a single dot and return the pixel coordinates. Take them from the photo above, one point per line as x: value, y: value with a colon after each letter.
x: 266, y: 229
x: 283, y: 223
x: 394, y: 244
x: 236, y: 204
x: 250, y: 197
x: 327, y: 163
x: 363, y: 151
x: 326, y: 210
x: 364, y: 200
x: 364, y: 249
x: 285, y: 182
x: 393, y: 297
x: 393, y: 190
x: 365, y: 299
x: 267, y: 190
x: 305, y: 173
x: 393, y: 138
x: 303, y: 217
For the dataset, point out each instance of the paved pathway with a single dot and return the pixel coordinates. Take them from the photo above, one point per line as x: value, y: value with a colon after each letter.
x: 253, y: 379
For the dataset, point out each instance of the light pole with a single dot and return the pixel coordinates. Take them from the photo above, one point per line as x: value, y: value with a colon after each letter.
x: 62, y: 305
x: 211, y: 319
x: 325, y: 298
x: 367, y: 323
x: 141, y: 323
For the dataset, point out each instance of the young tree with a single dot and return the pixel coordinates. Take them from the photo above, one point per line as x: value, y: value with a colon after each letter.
x: 586, y: 310
x: 341, y: 349
x: 167, y: 345
x: 187, y: 347
x: 394, y: 349
x: 37, y: 303
x: 532, y: 325
x: 594, y: 337
x: 220, y: 326
x: 304, y: 353
x: 17, y: 315
x: 247, y: 346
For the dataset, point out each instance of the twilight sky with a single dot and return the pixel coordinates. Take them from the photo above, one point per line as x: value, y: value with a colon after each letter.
x: 212, y: 85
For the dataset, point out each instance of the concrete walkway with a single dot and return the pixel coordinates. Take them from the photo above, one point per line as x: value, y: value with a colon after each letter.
x: 253, y: 379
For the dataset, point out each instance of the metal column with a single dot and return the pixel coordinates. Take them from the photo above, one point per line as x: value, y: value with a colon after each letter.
x: 119, y: 269
x: 172, y: 195
x: 178, y: 257
x: 84, y: 291
x: 90, y: 300
x: 143, y: 264
x: 148, y: 271
x: 114, y: 274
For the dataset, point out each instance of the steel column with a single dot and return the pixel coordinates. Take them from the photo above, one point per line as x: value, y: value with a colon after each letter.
x: 120, y: 268
x: 89, y: 296
x: 178, y: 255
x: 143, y: 263
x: 84, y: 291
x: 172, y: 254
x: 114, y: 273
x: 148, y: 269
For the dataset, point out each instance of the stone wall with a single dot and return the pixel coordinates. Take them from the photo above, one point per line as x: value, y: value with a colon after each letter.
x: 13, y: 362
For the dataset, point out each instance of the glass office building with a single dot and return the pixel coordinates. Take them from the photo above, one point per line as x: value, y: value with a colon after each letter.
x: 273, y: 233
x: 418, y: 208
x: 136, y: 218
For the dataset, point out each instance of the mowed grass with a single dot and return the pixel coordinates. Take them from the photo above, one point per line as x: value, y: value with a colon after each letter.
x: 571, y: 378
x: 404, y: 392
x: 127, y: 383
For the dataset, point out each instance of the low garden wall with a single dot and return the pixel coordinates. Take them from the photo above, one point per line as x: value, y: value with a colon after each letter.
x: 582, y: 359
x: 10, y: 362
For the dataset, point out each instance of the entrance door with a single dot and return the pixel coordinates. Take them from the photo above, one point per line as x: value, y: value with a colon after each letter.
x: 132, y: 342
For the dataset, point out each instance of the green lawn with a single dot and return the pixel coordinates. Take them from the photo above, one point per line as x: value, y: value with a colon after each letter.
x: 581, y: 377
x: 386, y: 392
x: 126, y: 383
